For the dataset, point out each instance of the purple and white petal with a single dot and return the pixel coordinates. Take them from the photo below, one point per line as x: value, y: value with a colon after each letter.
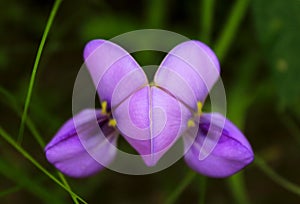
x: 232, y: 152
x: 113, y: 70
x: 76, y: 145
x: 188, y: 72
x: 151, y: 121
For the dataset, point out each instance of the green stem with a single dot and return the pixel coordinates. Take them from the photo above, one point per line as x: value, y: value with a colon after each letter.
x: 235, y: 17
x: 239, y: 100
x: 13, y: 105
x: 237, y: 186
x: 276, y: 177
x: 11, y: 101
x: 156, y: 13
x: 207, y: 7
x: 202, y: 184
x: 35, y: 66
x: 184, y: 183
x: 21, y: 177
x: 64, y: 180
x: 8, y: 138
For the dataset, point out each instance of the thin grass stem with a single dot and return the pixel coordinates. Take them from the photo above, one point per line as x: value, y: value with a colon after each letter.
x: 260, y: 163
x: 64, y: 180
x: 202, y: 185
x: 35, y: 67
x: 180, y: 188
x: 12, y: 103
x: 8, y: 138
x: 230, y: 27
x: 238, y: 188
x: 206, y: 15
x: 156, y: 13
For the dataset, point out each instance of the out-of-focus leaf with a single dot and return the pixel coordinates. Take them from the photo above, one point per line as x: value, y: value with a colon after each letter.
x: 106, y: 27
x: 278, y: 27
x: 20, y: 177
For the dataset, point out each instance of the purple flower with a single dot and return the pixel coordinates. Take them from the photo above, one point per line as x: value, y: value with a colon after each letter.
x: 150, y: 116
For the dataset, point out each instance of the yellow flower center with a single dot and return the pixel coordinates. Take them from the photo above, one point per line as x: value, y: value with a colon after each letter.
x: 191, y: 122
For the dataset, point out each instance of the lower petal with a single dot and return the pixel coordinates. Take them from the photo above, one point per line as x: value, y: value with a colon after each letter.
x: 219, y: 150
x: 80, y: 142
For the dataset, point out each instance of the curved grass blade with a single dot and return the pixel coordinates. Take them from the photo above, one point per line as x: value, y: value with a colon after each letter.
x: 23, y: 180
x: 202, y: 190
x: 63, y: 179
x: 260, y: 163
x: 35, y: 66
x: 230, y: 27
x: 8, y: 139
x: 180, y: 188
x: 207, y: 11
x: 12, y: 103
x: 238, y: 188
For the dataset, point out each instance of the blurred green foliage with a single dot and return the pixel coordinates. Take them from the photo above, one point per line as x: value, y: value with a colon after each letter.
x: 278, y: 26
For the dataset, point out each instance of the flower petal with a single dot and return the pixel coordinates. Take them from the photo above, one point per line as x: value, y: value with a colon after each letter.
x: 188, y: 72
x: 151, y: 120
x: 69, y: 150
x: 231, y: 153
x: 113, y: 70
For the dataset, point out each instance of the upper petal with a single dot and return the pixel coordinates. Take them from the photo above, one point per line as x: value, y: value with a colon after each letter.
x: 151, y: 121
x: 113, y: 70
x: 188, y: 72
x: 231, y: 152
x: 77, y: 144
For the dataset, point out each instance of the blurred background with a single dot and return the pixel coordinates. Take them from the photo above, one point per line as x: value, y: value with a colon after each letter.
x: 257, y: 43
